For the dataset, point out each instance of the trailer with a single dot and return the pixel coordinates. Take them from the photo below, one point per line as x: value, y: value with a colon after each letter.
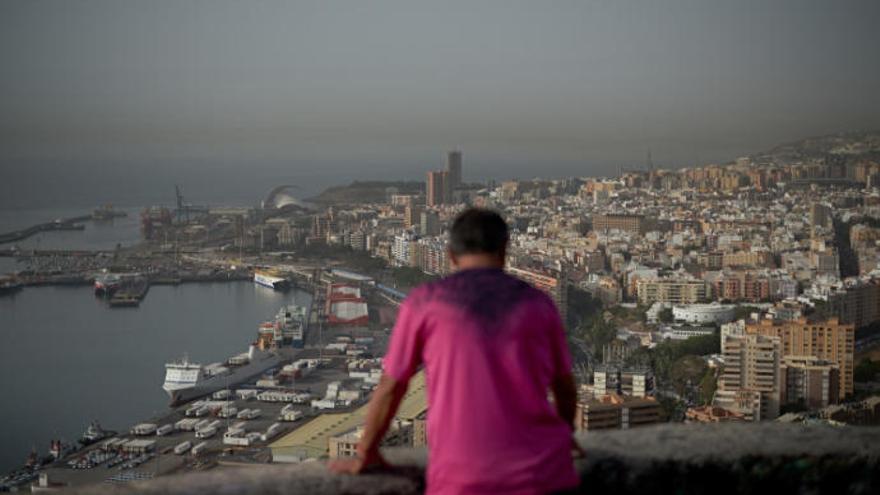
x: 227, y: 412
x: 187, y: 424
x: 249, y: 414
x: 288, y: 413
x: 199, y: 448
x: 271, y: 432
x: 206, y: 432
x: 164, y: 430
x: 221, y: 394
x: 182, y: 448
x: 143, y: 429
x: 246, y: 393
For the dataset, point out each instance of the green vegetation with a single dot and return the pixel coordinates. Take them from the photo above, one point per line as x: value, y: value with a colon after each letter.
x: 743, y: 312
x: 671, y: 409
x: 588, y: 322
x: 664, y: 358
x: 406, y: 277
x: 359, y: 261
x: 866, y: 371
x: 708, y: 385
x: 630, y: 314
x: 581, y: 306
x: 665, y: 315
x: 686, y: 372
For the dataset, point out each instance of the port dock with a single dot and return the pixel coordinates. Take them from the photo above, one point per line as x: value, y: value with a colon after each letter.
x: 60, y: 224
x: 130, y: 294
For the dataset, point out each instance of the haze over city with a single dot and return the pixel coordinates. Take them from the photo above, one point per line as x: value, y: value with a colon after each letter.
x: 320, y: 91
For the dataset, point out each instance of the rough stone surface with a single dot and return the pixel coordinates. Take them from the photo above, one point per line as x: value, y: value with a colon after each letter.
x: 719, y: 459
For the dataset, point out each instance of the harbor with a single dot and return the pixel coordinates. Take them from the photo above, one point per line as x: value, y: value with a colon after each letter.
x: 251, y: 343
x: 297, y: 366
x: 120, y: 379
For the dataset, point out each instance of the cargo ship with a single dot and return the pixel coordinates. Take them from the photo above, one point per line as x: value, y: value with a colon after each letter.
x: 292, y: 321
x: 185, y: 381
x: 271, y: 280
x: 106, y: 284
x: 131, y: 290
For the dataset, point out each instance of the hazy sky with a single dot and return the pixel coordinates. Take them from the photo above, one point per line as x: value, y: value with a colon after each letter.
x: 365, y: 87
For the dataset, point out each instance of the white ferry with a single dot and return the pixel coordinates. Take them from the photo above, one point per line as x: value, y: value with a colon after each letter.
x: 185, y: 381
x: 270, y: 279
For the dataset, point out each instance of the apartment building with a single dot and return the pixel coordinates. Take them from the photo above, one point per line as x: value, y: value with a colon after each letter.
x: 828, y: 339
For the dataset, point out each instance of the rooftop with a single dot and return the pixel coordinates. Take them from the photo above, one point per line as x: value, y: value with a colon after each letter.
x: 310, y: 440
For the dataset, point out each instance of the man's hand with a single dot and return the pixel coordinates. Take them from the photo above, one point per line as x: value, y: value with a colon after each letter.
x: 362, y: 463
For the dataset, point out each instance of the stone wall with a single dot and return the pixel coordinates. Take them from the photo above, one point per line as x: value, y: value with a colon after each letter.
x: 673, y: 458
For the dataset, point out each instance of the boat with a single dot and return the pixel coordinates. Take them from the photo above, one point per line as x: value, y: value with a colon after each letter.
x: 106, y: 212
x: 130, y: 291
x: 185, y: 380
x: 94, y: 433
x: 9, y: 286
x: 106, y: 284
x: 292, y: 321
x: 270, y: 279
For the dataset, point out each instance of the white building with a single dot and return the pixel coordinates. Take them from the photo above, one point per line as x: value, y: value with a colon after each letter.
x: 704, y: 313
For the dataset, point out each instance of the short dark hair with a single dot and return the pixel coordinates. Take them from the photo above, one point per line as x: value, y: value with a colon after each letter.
x: 478, y: 230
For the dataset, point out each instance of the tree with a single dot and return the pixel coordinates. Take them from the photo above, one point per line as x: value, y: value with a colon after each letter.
x: 686, y: 372
x: 744, y: 312
x: 866, y: 371
x: 410, y: 277
x: 582, y: 306
x: 665, y: 315
x: 708, y: 385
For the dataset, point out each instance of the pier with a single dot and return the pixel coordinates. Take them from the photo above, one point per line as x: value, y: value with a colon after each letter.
x: 60, y: 224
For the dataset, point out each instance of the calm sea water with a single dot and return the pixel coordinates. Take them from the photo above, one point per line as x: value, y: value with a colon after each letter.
x: 66, y: 358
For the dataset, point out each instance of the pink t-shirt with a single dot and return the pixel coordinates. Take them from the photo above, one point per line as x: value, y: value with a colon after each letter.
x: 491, y: 346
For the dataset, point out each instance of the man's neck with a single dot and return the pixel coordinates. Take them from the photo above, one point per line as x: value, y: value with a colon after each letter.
x: 477, y: 261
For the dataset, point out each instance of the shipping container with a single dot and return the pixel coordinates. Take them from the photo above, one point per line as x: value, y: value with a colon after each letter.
x: 182, y: 448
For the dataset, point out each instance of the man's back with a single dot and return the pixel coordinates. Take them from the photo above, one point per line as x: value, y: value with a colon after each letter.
x: 491, y: 345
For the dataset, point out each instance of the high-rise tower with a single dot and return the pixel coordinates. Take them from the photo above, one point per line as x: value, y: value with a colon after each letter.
x: 453, y: 169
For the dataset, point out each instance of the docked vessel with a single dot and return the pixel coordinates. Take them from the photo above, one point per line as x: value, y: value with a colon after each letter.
x: 106, y: 284
x: 94, y: 433
x: 292, y: 321
x: 106, y: 212
x: 270, y: 279
x: 9, y: 286
x: 130, y: 291
x: 185, y: 381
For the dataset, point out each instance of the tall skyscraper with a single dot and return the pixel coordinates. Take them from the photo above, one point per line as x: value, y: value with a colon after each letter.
x: 453, y: 168
x: 436, y: 187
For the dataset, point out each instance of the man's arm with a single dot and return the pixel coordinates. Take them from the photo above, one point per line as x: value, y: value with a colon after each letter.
x: 565, y: 397
x: 381, y: 410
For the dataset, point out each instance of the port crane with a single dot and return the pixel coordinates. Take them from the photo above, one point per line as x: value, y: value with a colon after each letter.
x: 184, y: 209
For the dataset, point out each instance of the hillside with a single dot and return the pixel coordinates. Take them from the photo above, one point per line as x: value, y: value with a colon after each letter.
x: 847, y: 147
x: 360, y: 192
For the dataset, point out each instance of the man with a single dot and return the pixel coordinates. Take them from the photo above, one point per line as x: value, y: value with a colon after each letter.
x: 492, y: 346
